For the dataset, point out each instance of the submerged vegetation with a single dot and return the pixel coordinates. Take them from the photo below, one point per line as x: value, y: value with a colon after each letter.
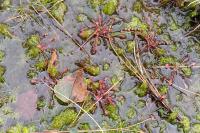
x: 99, y: 66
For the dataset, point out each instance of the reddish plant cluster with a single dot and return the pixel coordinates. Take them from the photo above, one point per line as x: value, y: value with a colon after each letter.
x: 103, y: 95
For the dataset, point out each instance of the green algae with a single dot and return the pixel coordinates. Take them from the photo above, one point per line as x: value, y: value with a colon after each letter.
x: 106, y: 66
x: 4, y: 100
x: 114, y: 79
x: 172, y: 118
x: 58, y: 11
x: 19, y: 128
x: 167, y: 60
x: 141, y: 89
x: 110, y: 7
x: 52, y: 71
x: 32, y: 74
x: 173, y: 26
x: 32, y: 51
x: 184, y: 124
x: 94, y: 85
x: 64, y: 118
x: 164, y: 2
x: 159, y: 52
x: 89, y: 104
x: 137, y: 24
x: 130, y: 46
x: 86, y: 33
x: 138, y: 6
x: 95, y: 3
x: 118, y: 50
x: 2, y: 55
x: 41, y: 103
x: 81, y: 17
x: 32, y: 41
x: 187, y: 71
x: 141, y: 104
x: 2, y: 71
x: 84, y: 126
x: 174, y: 47
x: 112, y: 111
x: 131, y: 113
x: 195, y: 128
x: 163, y: 89
x: 5, y: 4
x: 5, y: 30
x: 197, y: 117
x: 93, y: 70
x: 41, y: 65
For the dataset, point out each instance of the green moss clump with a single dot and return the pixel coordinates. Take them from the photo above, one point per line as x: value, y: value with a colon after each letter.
x: 94, y: 85
x: 58, y: 11
x: 163, y: 89
x: 118, y: 50
x: 5, y: 4
x: 137, y: 6
x: 141, y: 89
x: 130, y: 46
x: 93, y: 70
x: 131, y: 113
x: 81, y: 18
x: 159, y: 52
x: 2, y: 71
x: 88, y: 104
x: 106, y: 66
x: 164, y: 2
x: 32, y: 41
x: 195, y: 128
x: 187, y: 71
x: 53, y: 71
x: 3, y: 100
x: 31, y: 44
x: 85, y: 34
x: 2, y: 55
x: 172, y: 117
x: 110, y: 7
x: 33, y: 52
x: 141, y: 104
x: 41, y: 103
x: 185, y: 124
x: 198, y: 116
x: 21, y: 129
x: 112, y: 111
x: 114, y: 79
x: 136, y: 129
x: 41, y: 65
x: 174, y: 47
x: 31, y: 74
x: 84, y: 126
x: 5, y: 30
x: 173, y: 26
x: 95, y: 3
x: 167, y: 60
x: 136, y: 24
x: 65, y: 118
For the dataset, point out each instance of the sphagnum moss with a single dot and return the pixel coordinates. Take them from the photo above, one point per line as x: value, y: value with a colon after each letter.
x: 65, y: 118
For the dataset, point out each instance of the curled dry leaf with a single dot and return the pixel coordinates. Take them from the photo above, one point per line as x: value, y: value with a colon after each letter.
x: 71, y: 87
x: 54, y: 58
x: 79, y: 92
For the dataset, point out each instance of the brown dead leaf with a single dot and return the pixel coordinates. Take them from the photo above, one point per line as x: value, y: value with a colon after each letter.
x: 79, y: 92
x: 54, y: 58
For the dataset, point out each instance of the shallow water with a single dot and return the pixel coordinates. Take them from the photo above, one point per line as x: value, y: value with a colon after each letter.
x: 21, y: 106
